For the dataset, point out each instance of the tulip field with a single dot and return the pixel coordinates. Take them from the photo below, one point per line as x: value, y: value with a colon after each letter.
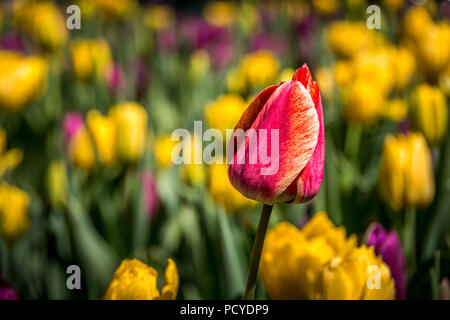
x: 260, y: 149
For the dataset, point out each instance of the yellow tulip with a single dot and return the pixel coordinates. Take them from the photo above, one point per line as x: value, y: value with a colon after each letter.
x: 91, y: 57
x: 364, y: 103
x: 433, y: 50
x: 57, y: 183
x: 326, y: 82
x: 131, y: 130
x: 22, y: 79
x: 134, y: 280
x: 396, y: 110
x: 223, y: 193
x: 113, y: 9
x: 9, y: 159
x: 159, y: 17
x: 416, y: 22
x: 44, y: 21
x: 14, y: 219
x: 349, y: 277
x: 347, y: 38
x: 292, y: 259
x: 81, y: 151
x: 403, y: 66
x: 286, y: 74
x: 220, y: 13
x: 163, y: 151
x: 393, y: 6
x: 260, y: 68
x: 326, y: 8
x: 406, y: 174
x: 225, y: 112
x: 430, y: 112
x: 103, y: 131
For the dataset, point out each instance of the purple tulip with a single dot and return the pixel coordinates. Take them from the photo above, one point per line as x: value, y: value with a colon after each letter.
x: 11, y: 41
x: 150, y: 194
x: 388, y: 246
x: 199, y: 34
x: 116, y: 79
x: 142, y: 77
x: 71, y: 123
x: 274, y: 43
x: 7, y: 292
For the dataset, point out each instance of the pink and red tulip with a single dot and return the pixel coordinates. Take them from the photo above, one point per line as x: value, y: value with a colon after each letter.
x: 389, y: 247
x: 294, y: 108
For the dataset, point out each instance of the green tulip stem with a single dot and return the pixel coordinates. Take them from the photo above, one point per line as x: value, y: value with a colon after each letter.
x: 409, y: 239
x: 352, y: 141
x: 256, y: 252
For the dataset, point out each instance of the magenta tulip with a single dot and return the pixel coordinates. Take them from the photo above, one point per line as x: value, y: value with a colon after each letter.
x: 294, y: 109
x: 389, y: 247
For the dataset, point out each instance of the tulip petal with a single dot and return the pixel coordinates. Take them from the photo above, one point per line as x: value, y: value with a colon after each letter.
x: 290, y: 110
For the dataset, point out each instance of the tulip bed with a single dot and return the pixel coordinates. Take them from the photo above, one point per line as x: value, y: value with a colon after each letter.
x: 359, y: 205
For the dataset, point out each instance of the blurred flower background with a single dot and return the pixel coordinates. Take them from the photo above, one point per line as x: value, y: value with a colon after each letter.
x: 86, y: 176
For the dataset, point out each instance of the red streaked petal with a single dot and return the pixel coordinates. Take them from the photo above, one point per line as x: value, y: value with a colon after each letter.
x: 292, y: 112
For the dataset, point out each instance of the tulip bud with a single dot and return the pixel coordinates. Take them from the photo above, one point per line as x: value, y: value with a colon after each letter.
x: 388, y: 246
x: 293, y: 110
x: 430, y: 112
x: 131, y: 125
x: 406, y: 174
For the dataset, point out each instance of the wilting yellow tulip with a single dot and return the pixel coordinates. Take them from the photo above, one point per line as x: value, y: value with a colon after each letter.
x: 81, y: 150
x: 225, y: 112
x: 406, y: 176
x: 57, y: 183
x: 134, y: 280
x: 103, y: 131
x: 430, y: 112
x: 358, y: 275
x: 22, y: 79
x: 223, y: 193
x: 131, y: 130
x: 220, y: 13
x: 43, y: 20
x: 14, y: 219
x: 91, y: 57
x: 163, y: 151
